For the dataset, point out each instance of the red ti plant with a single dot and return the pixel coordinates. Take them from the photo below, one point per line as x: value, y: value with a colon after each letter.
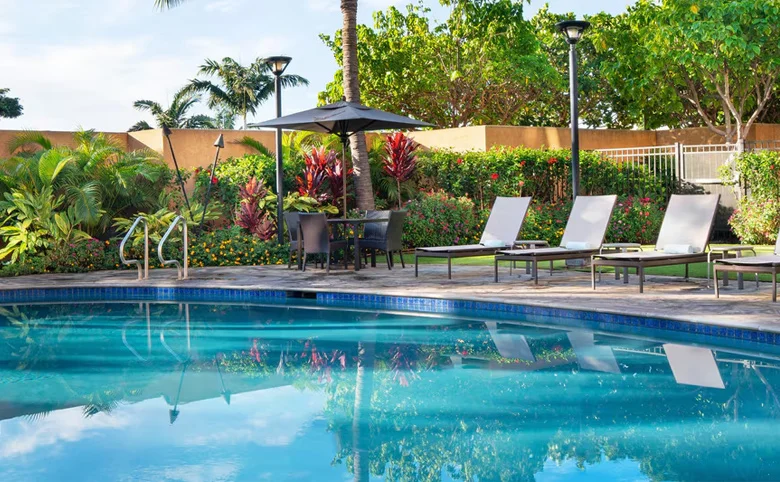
x: 400, y: 161
x: 314, y: 173
x: 335, y: 172
x: 249, y: 215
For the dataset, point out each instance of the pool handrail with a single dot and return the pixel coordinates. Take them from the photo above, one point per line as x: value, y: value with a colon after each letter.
x: 145, y: 274
x: 182, y: 270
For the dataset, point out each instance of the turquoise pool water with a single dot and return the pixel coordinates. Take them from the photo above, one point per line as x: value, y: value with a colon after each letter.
x: 295, y: 391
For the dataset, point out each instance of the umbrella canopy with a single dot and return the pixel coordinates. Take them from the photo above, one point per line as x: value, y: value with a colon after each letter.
x: 343, y: 119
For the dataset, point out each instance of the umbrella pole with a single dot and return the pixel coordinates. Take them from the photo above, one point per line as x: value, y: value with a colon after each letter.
x: 344, y: 171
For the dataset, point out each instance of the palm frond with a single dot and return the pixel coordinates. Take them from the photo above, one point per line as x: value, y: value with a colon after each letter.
x: 140, y: 126
x: 253, y: 143
x: 27, y: 140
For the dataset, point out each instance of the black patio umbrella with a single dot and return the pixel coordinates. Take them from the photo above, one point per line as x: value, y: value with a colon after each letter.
x: 343, y: 119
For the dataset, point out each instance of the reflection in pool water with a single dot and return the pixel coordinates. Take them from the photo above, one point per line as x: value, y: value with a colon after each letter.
x: 123, y: 391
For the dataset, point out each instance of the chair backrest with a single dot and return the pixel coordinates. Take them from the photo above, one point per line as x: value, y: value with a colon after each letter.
x: 376, y: 231
x: 688, y: 221
x: 395, y: 231
x: 291, y: 220
x: 506, y: 219
x: 589, y: 220
x: 316, y: 237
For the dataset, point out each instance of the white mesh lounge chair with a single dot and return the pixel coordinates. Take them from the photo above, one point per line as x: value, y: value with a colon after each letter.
x: 683, y: 239
x: 506, y: 219
x: 582, y: 238
x: 768, y: 263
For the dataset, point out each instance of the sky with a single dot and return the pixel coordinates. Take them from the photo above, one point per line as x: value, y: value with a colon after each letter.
x: 82, y: 63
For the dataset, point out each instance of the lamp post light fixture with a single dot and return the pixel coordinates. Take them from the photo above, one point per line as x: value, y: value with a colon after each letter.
x: 572, y: 31
x: 278, y: 65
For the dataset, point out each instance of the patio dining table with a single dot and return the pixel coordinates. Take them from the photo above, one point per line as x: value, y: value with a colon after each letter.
x: 355, y: 223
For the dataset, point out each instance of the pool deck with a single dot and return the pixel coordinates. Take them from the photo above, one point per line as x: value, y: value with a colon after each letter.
x: 664, y: 297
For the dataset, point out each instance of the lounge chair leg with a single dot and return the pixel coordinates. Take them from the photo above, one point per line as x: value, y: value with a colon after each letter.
x: 289, y: 262
x: 304, y: 261
x: 401, y: 255
x: 373, y: 258
x: 551, y: 268
x: 495, y: 269
x: 774, y: 285
x: 390, y: 255
x: 389, y: 263
x: 593, y: 276
x: 715, y: 280
x: 686, y: 271
x: 535, y: 271
x: 527, y: 267
x: 416, y: 264
x: 327, y: 260
x: 346, y: 257
x: 449, y: 268
x: 641, y: 276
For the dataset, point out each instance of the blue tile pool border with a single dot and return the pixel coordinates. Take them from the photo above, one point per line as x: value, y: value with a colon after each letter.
x: 567, y: 317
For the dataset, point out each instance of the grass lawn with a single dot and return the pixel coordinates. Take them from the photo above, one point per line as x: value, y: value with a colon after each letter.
x: 697, y: 270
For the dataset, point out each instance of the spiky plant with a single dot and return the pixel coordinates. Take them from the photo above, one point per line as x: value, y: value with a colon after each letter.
x: 400, y: 161
x: 315, y: 173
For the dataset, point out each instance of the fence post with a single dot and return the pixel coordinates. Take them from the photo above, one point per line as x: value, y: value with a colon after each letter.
x: 678, y: 157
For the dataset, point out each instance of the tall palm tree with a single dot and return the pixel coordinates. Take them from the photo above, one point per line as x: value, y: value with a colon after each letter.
x: 241, y: 88
x: 175, y: 115
x: 365, y: 193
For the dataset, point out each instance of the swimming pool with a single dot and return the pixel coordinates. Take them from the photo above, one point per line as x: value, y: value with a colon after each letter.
x: 336, y: 389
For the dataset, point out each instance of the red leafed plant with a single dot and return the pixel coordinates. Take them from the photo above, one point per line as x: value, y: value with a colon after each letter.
x: 335, y: 173
x: 249, y: 215
x: 315, y: 173
x: 400, y: 162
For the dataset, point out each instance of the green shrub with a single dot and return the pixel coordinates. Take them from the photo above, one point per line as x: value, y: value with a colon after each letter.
x: 756, y: 220
x: 236, y: 171
x: 541, y: 173
x: 90, y: 255
x: 757, y: 217
x: 546, y: 221
x: 635, y: 220
x: 232, y: 247
x: 437, y: 219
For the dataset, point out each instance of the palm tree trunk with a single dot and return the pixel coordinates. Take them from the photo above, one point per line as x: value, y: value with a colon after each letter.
x: 357, y: 143
x: 361, y: 419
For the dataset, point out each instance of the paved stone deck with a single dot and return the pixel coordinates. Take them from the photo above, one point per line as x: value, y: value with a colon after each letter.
x: 664, y: 296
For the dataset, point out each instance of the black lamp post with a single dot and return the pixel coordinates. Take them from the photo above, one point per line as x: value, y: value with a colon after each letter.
x: 572, y: 31
x: 278, y: 65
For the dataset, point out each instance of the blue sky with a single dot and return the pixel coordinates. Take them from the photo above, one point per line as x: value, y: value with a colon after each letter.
x: 83, y: 62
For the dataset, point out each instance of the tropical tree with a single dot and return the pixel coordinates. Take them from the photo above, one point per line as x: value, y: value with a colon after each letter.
x: 9, y: 106
x: 242, y: 89
x: 175, y: 115
x: 721, y: 58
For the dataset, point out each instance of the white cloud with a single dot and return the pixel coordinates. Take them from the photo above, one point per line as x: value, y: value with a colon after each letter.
x: 23, y: 437
x: 215, y: 472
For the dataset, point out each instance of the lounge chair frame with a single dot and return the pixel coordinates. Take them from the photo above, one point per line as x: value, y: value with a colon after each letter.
x: 535, y: 259
x: 452, y: 252
x: 640, y: 261
x: 771, y: 269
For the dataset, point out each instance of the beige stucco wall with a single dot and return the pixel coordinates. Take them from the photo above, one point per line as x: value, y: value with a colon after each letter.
x: 471, y: 138
x: 560, y: 137
x: 58, y: 138
x: 195, y: 147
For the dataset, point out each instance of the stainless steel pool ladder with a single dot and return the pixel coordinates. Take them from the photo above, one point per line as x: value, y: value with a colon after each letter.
x: 185, y: 258
x: 141, y: 274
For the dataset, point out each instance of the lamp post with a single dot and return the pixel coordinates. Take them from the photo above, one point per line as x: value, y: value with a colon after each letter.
x: 572, y: 31
x: 278, y: 64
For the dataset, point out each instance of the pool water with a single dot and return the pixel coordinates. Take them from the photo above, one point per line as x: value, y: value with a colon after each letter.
x: 294, y: 391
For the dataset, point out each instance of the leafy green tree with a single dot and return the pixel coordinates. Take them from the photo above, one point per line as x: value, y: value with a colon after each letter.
x: 242, y: 89
x: 721, y: 58
x: 175, y: 115
x: 10, y: 107
x: 482, y: 66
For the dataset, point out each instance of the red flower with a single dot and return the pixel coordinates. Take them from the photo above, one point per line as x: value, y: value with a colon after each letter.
x: 214, y: 180
x: 460, y: 161
x: 521, y: 183
x: 552, y: 160
x: 522, y: 163
x: 494, y: 176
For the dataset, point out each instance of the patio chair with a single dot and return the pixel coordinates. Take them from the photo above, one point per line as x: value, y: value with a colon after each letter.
x: 316, y: 239
x: 768, y: 263
x: 291, y: 221
x: 582, y: 238
x: 683, y: 239
x: 506, y: 219
x: 385, y: 236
